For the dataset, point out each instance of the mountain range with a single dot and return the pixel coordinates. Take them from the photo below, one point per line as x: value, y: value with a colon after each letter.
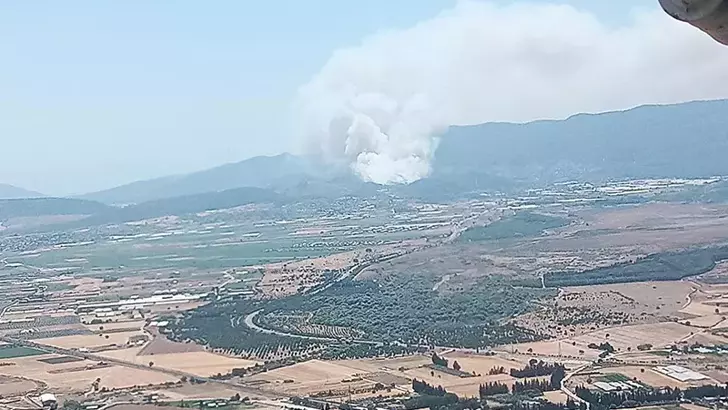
x: 680, y: 140
x: 13, y: 192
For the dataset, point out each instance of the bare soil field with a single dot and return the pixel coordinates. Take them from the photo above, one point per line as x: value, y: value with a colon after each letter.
x: 481, y: 364
x: 360, y: 375
x: 90, y: 341
x: 581, y: 309
x: 203, y: 364
x: 80, y: 381
x: 311, y: 377
x: 622, y: 338
x: 556, y: 397
x: 14, y: 386
x: 649, y: 228
x: 124, y: 324
x: 658, y: 334
x: 162, y: 345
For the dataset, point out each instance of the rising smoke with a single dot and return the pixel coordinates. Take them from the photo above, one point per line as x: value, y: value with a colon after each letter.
x: 382, y: 105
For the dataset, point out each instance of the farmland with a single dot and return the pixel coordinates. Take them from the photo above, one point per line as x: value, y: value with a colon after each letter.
x: 349, y: 304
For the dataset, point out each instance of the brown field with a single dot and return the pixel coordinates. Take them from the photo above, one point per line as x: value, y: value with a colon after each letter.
x: 656, y: 298
x: 708, y: 321
x: 90, y: 341
x: 650, y: 228
x: 556, y: 397
x: 127, y: 324
x: 622, y: 338
x: 80, y: 381
x: 162, y: 345
x: 339, y: 376
x: 611, y: 305
x: 14, y: 386
x: 658, y: 334
x: 310, y: 377
x: 203, y: 364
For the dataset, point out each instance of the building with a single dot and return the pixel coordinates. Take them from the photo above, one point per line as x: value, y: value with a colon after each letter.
x: 49, y: 401
x: 680, y: 373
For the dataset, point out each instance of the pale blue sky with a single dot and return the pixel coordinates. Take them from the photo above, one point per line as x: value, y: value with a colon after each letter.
x: 98, y: 93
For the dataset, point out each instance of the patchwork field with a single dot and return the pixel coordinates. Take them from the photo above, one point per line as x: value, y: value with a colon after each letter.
x: 203, y: 364
x: 359, y: 376
x: 90, y: 341
x: 14, y: 386
x: 78, y: 376
x: 623, y: 338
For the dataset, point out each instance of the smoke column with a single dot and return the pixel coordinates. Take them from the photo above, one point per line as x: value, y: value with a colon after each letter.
x: 381, y: 106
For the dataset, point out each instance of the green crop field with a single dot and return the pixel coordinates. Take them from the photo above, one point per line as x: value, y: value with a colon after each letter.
x: 12, y: 351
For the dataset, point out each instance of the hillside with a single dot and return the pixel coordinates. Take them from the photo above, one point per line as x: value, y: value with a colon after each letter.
x: 36, y: 207
x: 686, y: 140
x: 260, y: 172
x: 184, y: 205
x: 13, y: 192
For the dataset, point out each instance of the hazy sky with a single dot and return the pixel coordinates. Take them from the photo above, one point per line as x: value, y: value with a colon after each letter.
x: 98, y: 93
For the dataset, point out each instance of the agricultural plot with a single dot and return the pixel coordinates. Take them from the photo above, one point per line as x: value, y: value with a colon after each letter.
x: 16, y: 386
x: 78, y: 376
x: 61, y: 360
x: 581, y: 309
x: 90, y: 341
x: 622, y: 338
x: 9, y: 351
x: 203, y: 364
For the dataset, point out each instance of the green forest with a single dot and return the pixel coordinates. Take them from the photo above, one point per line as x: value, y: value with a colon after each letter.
x: 402, y: 313
x: 657, y: 267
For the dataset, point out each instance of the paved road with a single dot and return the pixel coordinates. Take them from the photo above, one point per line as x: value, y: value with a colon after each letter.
x: 570, y: 393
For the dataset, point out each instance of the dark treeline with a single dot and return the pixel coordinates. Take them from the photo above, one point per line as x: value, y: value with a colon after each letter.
x: 424, y: 388
x: 635, y: 398
x: 660, y: 266
x: 440, y: 361
x: 492, y: 388
x: 569, y: 405
x: 536, y: 368
x: 535, y: 385
x: 604, y: 346
x: 497, y: 370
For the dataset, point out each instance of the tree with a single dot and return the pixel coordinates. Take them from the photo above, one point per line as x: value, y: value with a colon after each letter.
x: 557, y: 376
x: 71, y: 405
x: 439, y: 361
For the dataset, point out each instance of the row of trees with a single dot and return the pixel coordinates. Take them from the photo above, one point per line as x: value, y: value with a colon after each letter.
x: 533, y: 385
x: 424, y: 388
x: 536, y: 368
x: 634, y: 398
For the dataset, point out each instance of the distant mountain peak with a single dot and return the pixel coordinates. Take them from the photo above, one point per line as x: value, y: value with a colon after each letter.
x: 13, y: 192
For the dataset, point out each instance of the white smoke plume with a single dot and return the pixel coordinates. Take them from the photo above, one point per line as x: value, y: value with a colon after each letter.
x: 380, y: 106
